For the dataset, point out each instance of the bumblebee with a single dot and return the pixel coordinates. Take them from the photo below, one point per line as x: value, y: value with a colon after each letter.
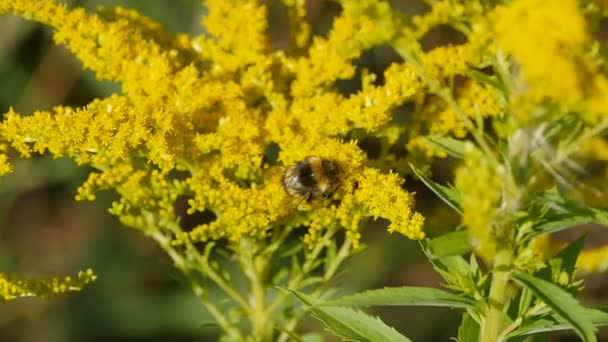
x: 312, y: 178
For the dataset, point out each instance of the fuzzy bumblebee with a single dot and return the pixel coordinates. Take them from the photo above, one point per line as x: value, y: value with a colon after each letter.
x: 312, y: 178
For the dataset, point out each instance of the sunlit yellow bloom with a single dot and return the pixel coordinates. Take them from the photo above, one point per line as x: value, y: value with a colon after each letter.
x: 475, y: 100
x: 553, y: 61
x: 480, y: 184
x: 11, y: 288
x: 299, y: 28
x: 197, y: 116
x: 445, y: 61
x: 593, y: 260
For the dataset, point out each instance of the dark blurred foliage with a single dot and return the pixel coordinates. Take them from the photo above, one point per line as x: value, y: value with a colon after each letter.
x: 138, y: 295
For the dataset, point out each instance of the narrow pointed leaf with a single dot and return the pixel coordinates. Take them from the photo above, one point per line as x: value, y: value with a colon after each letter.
x: 556, y: 224
x: 563, y: 304
x: 484, y: 78
x: 570, y: 253
x: 468, y: 330
x: 404, y: 296
x: 597, y: 317
x: 449, y: 195
x: 351, y: 324
x: 453, y: 147
x: 454, y: 243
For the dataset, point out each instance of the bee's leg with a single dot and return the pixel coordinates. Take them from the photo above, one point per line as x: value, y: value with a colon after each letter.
x: 309, y: 197
x: 304, y: 198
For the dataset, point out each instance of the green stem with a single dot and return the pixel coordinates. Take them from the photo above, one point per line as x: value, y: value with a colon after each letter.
x: 309, y: 265
x: 255, y: 266
x: 182, y: 265
x: 330, y: 271
x: 498, y: 298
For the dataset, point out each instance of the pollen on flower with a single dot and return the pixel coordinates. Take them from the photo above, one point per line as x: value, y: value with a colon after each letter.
x: 197, y: 115
x: 381, y: 195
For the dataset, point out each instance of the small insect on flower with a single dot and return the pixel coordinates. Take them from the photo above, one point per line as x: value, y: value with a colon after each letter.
x: 311, y: 178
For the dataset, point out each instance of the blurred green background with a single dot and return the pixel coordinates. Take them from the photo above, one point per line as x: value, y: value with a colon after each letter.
x: 138, y: 295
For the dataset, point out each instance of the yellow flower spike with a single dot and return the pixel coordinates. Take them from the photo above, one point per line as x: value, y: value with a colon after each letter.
x: 179, y: 45
x: 442, y: 12
x: 5, y: 166
x: 12, y: 288
x: 299, y: 28
x: 361, y: 25
x: 240, y: 210
x: 381, y: 195
x: 447, y: 61
x: 214, y: 116
x: 104, y: 132
x: 239, y: 28
x: 115, y: 51
x: 481, y: 187
x: 593, y: 261
x: 561, y: 79
x: 321, y: 219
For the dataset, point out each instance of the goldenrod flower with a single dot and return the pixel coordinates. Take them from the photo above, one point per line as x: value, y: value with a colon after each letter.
x: 11, y: 288
x: 481, y: 185
x: 593, y: 260
x: 209, y: 107
x: 554, y: 62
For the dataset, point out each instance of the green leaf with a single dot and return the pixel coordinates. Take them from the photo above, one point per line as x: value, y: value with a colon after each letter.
x: 312, y: 337
x: 484, y: 78
x: 405, y: 296
x: 468, y: 330
x: 454, y: 243
x: 570, y: 253
x: 563, y: 304
x: 449, y: 195
x: 558, y: 223
x: 597, y: 318
x: 563, y: 213
x: 456, y: 271
x: 452, y: 147
x: 351, y: 324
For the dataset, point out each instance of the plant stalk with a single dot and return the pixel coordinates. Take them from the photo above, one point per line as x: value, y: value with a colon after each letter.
x: 498, y: 297
x: 255, y: 265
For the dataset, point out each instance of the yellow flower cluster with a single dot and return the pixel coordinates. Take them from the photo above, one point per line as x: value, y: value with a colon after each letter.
x: 480, y: 183
x: 197, y: 115
x: 475, y: 100
x: 452, y: 12
x: 552, y: 55
x: 593, y: 260
x: 11, y: 288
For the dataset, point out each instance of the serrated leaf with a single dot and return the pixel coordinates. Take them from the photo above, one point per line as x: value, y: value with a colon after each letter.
x: 452, y: 147
x: 351, y: 324
x: 404, y: 296
x: 558, y: 223
x: 449, y: 195
x: 597, y: 318
x: 563, y: 304
x: 564, y: 213
x: 454, y: 243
